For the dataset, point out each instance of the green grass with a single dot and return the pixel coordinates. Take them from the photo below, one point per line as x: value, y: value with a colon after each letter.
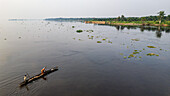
x: 140, y: 22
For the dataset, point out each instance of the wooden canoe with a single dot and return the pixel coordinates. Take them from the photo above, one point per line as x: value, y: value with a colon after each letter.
x: 38, y: 76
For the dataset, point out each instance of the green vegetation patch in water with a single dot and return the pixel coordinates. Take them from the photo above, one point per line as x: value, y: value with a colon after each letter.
x: 124, y: 57
x: 131, y: 55
x: 152, y: 54
x: 99, y: 41
x: 79, y: 31
x: 135, y: 39
x: 109, y: 42
x: 135, y: 52
x: 89, y: 31
x: 151, y: 47
x: 90, y: 37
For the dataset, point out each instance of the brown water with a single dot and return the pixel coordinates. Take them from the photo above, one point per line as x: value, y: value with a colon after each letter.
x: 86, y: 68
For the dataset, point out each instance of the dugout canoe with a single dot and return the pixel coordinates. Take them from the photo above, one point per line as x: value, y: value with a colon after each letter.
x: 38, y: 76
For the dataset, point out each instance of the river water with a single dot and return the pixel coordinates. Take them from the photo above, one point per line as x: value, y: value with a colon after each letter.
x: 100, y: 61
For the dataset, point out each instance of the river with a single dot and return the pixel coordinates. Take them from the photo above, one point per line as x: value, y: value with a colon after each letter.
x: 100, y: 61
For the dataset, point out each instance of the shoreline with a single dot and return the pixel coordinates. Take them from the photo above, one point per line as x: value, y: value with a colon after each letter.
x: 136, y: 24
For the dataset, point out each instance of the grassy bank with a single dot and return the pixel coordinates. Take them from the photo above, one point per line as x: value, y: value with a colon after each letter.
x: 141, y: 22
x: 148, y: 23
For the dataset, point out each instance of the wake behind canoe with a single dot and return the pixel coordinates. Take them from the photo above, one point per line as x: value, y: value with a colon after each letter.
x: 38, y: 76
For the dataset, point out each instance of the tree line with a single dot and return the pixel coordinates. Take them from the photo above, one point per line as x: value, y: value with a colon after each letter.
x: 161, y: 17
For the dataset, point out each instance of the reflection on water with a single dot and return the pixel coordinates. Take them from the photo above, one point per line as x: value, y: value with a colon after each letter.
x: 26, y: 86
x: 143, y: 28
x: 157, y: 29
x: 92, y: 63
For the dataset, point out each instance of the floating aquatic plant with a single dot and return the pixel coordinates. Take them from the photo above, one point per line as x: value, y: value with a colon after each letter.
x: 157, y: 55
x: 80, y: 40
x: 131, y: 55
x: 91, y: 37
x: 79, y: 31
x: 124, y: 57
x: 151, y: 47
x: 135, y: 52
x: 152, y: 54
x: 97, y: 36
x: 99, y: 42
x: 89, y: 31
x: 109, y: 42
x: 135, y: 39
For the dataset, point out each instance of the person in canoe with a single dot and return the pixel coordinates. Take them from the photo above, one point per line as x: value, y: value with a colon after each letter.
x: 25, y: 78
x: 43, y: 70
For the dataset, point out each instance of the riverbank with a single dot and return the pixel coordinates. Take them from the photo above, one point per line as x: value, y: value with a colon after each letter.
x: 118, y: 23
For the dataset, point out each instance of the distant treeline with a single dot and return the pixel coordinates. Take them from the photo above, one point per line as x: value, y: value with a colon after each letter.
x: 161, y: 17
x: 120, y: 18
x: 70, y: 19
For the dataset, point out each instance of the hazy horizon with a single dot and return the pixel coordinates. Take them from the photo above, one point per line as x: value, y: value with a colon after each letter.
x: 40, y: 9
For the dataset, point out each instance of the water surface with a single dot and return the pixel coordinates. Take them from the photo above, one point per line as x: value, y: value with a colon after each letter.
x: 86, y: 68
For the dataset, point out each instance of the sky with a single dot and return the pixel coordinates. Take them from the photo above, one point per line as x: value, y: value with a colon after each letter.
x: 40, y: 9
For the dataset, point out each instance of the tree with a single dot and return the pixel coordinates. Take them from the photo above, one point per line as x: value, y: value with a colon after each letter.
x: 168, y: 17
x: 161, y: 15
x: 123, y: 18
x: 143, y: 19
x: 118, y: 18
x: 129, y: 19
